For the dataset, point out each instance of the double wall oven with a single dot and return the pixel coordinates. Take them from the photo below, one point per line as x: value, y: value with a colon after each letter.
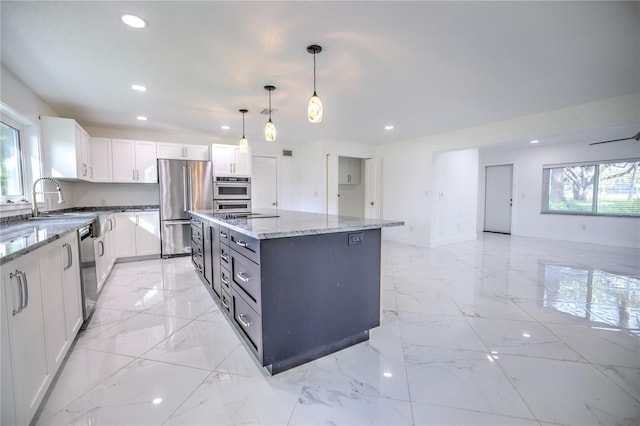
x: 231, y: 194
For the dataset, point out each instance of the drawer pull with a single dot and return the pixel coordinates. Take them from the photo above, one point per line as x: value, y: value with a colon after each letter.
x: 242, y: 277
x: 240, y: 243
x: 224, y: 303
x: 224, y: 234
x: 225, y: 257
x: 245, y: 324
x: 225, y: 280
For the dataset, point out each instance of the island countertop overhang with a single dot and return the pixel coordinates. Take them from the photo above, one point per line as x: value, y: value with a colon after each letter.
x: 276, y: 223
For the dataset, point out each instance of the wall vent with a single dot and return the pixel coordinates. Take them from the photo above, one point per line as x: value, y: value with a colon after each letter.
x: 287, y: 153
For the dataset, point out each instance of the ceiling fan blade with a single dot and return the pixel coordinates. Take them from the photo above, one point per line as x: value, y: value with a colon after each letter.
x: 636, y: 137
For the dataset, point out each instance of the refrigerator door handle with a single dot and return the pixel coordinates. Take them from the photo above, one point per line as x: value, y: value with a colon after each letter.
x: 184, y: 187
x: 176, y: 222
x: 190, y: 189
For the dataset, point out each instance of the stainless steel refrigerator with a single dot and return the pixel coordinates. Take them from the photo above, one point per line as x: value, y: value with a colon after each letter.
x: 184, y: 185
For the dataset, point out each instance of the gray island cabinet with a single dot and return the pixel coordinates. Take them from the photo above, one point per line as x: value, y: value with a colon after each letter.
x: 295, y: 285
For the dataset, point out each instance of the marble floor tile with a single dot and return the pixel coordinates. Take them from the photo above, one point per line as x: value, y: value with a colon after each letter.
x: 139, y: 394
x: 198, y: 344
x: 526, y: 338
x: 332, y: 407
x: 83, y: 370
x: 502, y: 330
x: 570, y: 393
x: 134, y: 336
x: 461, y: 379
x: 227, y: 399
x: 433, y: 415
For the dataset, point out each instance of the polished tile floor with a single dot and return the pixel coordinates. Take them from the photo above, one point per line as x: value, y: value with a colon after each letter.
x: 499, y: 331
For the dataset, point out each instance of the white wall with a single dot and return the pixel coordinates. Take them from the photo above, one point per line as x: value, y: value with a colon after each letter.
x: 527, y: 219
x: 407, y: 187
x: 455, y: 188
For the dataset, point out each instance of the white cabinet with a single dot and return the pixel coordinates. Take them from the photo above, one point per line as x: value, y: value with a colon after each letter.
x: 183, y: 152
x: 66, y: 149
x: 101, y: 160
x: 41, y: 314
x: 104, y: 251
x: 229, y: 160
x: 137, y: 234
x: 134, y: 161
x: 348, y: 171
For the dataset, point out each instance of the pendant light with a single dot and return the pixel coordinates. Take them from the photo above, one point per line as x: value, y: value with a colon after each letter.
x: 270, y: 128
x: 314, y: 110
x: 244, y: 144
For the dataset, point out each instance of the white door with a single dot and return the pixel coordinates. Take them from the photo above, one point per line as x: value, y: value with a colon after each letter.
x: 498, y: 198
x: 264, y: 183
x: 332, y: 184
x: 372, y: 188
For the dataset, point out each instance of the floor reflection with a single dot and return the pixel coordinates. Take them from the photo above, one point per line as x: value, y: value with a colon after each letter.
x: 593, y: 294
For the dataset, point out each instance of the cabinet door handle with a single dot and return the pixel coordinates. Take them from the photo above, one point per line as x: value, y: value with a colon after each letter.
x: 69, y: 258
x: 240, y: 243
x: 101, y: 248
x: 91, y: 172
x: 242, y: 277
x: 134, y: 174
x: 16, y: 275
x: 84, y: 172
x: 243, y: 322
x: 26, y: 290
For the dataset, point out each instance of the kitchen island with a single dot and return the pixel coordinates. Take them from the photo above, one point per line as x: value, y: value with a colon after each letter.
x: 295, y: 285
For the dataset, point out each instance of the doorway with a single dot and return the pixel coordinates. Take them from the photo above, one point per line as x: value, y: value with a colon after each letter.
x: 498, y: 198
x: 264, y: 183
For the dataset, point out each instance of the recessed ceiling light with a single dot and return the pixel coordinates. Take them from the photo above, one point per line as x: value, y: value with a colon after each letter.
x: 134, y: 21
x: 534, y: 141
x: 141, y: 118
x: 139, y: 88
x: 388, y: 127
x: 225, y: 127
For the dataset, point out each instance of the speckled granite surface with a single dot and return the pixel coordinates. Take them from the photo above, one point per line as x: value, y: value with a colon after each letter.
x: 289, y: 223
x: 21, y: 236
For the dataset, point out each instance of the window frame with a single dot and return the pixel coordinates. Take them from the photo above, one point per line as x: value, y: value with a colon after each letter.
x: 546, y: 173
x: 17, y: 199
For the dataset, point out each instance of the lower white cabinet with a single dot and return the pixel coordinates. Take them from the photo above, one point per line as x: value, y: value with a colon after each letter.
x: 40, y: 310
x: 137, y: 234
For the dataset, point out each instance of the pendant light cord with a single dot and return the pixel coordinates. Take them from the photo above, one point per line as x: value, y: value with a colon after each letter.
x: 314, y: 73
x: 269, y: 105
x: 243, y: 125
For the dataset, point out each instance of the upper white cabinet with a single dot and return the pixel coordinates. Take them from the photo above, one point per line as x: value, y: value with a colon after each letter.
x: 183, y: 152
x: 134, y: 161
x: 229, y: 160
x: 348, y: 171
x: 66, y: 149
x: 101, y: 160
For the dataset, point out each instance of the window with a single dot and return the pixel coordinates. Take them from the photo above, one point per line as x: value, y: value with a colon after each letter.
x: 599, y: 188
x: 11, y: 171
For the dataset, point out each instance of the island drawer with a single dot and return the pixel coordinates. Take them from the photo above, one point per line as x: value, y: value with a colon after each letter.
x: 245, y: 279
x: 225, y: 256
x: 224, y: 235
x: 225, y: 301
x: 225, y: 278
x: 196, y: 230
x: 246, y: 245
x: 248, y: 322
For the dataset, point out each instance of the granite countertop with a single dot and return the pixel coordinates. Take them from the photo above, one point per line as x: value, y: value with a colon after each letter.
x: 19, y: 235
x: 275, y: 223
x: 18, y: 238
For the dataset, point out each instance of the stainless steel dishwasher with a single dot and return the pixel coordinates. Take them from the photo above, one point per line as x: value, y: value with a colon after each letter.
x: 86, y: 237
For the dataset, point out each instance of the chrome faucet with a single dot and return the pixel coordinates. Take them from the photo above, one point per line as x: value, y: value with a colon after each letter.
x: 34, y: 204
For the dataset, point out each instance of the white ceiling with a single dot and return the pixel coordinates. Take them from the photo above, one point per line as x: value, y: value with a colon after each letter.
x: 425, y: 67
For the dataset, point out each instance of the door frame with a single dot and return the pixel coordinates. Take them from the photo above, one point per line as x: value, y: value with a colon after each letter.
x: 482, y: 193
